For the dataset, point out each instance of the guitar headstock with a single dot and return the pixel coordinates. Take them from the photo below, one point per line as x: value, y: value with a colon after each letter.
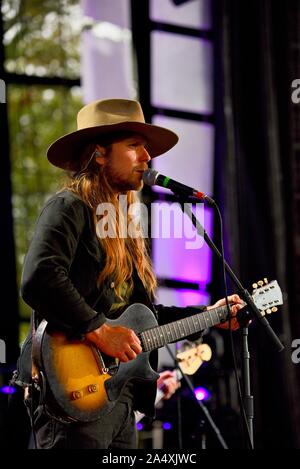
x: 267, y: 296
x: 192, y: 355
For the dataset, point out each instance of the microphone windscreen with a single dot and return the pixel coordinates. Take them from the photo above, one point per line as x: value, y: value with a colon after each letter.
x: 150, y: 176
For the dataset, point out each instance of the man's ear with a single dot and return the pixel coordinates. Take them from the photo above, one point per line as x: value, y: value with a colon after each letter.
x: 100, y: 155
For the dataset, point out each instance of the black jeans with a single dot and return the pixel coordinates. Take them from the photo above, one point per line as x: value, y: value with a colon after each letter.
x: 115, y: 430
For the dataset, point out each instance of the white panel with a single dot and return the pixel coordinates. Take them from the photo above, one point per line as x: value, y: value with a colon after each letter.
x: 172, y: 225
x: 112, y: 11
x: 193, y: 14
x: 106, y: 58
x: 178, y: 259
x: 191, y: 161
x: 182, y: 72
x: 106, y: 68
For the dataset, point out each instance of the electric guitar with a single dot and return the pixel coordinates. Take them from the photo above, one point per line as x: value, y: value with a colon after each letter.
x: 190, y: 361
x: 85, y: 383
x: 191, y: 358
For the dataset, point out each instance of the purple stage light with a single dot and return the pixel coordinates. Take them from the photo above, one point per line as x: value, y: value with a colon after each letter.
x: 167, y: 426
x: 201, y: 393
x: 8, y: 389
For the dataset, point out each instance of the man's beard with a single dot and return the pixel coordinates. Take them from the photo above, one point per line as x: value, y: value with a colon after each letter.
x: 117, y: 182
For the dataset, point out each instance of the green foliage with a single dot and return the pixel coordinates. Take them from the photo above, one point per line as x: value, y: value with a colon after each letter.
x: 41, y: 38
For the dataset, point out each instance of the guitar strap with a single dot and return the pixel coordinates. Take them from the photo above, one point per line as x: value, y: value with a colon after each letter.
x: 37, y: 389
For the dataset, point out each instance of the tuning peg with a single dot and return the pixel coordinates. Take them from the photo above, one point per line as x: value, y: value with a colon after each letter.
x: 260, y: 283
x: 254, y: 286
x: 266, y: 281
x: 268, y: 311
x: 274, y: 309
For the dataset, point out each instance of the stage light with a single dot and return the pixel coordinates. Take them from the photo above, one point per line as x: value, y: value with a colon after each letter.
x: 201, y: 393
x: 8, y: 389
x: 139, y: 426
x: 166, y: 426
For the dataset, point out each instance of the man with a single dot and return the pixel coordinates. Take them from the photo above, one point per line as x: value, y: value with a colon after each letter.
x: 75, y: 277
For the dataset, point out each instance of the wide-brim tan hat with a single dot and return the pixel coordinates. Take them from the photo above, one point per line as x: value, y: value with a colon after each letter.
x: 105, y: 117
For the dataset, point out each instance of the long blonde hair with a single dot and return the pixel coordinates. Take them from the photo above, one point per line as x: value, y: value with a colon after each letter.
x: 121, y: 254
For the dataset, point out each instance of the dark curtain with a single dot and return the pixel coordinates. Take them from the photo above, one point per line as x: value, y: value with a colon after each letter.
x: 253, y: 185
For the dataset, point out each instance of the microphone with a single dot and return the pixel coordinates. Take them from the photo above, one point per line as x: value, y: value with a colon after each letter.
x: 153, y: 178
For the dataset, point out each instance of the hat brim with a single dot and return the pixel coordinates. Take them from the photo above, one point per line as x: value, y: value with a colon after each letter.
x: 65, y: 152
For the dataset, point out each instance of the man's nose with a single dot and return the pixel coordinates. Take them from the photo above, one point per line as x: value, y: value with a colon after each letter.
x: 144, y: 155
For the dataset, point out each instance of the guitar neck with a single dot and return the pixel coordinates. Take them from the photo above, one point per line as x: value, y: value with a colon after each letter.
x: 159, y: 336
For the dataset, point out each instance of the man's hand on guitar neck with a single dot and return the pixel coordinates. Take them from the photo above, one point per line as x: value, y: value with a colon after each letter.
x: 236, y: 303
x: 116, y: 341
x: 122, y: 343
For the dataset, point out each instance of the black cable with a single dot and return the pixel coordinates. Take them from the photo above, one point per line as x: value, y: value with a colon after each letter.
x: 242, y: 407
x: 179, y: 416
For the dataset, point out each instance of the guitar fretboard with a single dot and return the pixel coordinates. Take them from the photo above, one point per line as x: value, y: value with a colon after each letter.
x: 159, y: 336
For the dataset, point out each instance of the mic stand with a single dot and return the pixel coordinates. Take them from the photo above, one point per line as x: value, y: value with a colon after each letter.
x: 251, y: 308
x: 200, y: 403
x: 248, y: 398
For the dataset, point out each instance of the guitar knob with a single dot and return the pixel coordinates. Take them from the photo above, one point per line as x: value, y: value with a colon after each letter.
x: 77, y: 394
x: 92, y: 387
x: 274, y: 309
x: 254, y: 286
x: 266, y: 281
x: 260, y: 283
x: 268, y: 311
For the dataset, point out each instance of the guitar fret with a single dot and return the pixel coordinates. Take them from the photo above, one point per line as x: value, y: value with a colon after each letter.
x: 144, y: 343
x: 223, y: 313
x: 190, y: 324
x: 187, y: 322
x: 195, y: 321
x: 212, y: 322
x: 214, y: 317
x: 178, y: 328
x: 159, y: 336
x: 174, y: 335
x: 217, y: 316
x: 150, y: 339
x: 208, y: 319
x: 184, y: 329
x: 149, y: 343
x: 154, y: 338
x: 201, y: 321
x: 165, y: 336
x: 169, y: 332
x: 147, y: 340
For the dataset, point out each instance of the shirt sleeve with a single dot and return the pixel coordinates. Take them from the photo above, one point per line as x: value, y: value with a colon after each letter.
x: 46, y: 285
